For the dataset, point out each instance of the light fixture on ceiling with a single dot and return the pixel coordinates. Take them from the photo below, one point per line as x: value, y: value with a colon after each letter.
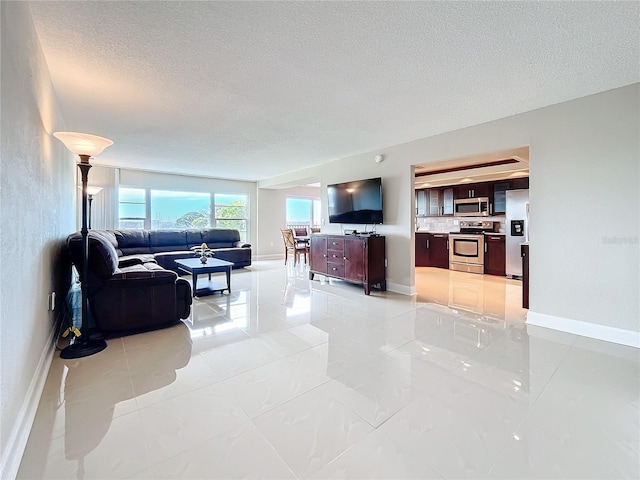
x: 85, y: 146
x: 378, y: 158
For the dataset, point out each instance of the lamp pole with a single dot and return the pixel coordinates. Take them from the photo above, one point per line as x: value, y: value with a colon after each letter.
x: 85, y: 146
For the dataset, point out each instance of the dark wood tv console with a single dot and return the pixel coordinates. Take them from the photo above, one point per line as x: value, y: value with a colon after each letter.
x: 354, y: 258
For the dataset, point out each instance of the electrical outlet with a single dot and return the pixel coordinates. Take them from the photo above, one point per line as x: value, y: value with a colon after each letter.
x: 271, y: 244
x: 52, y: 301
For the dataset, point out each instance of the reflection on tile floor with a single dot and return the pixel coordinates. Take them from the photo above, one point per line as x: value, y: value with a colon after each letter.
x: 287, y: 378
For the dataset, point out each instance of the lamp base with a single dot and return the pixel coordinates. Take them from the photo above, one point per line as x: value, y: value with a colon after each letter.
x: 83, y: 348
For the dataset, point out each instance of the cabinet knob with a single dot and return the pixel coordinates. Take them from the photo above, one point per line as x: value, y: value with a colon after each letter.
x: 344, y: 258
x: 324, y: 256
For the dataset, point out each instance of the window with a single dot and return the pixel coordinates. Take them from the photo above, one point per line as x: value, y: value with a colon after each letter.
x: 180, y: 209
x: 158, y: 209
x: 132, y: 207
x: 230, y: 211
x: 303, y: 211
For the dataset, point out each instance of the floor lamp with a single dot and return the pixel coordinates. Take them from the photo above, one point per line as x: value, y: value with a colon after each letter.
x: 91, y: 191
x: 85, y: 146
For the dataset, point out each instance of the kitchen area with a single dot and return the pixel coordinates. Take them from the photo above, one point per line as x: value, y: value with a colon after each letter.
x: 472, y: 220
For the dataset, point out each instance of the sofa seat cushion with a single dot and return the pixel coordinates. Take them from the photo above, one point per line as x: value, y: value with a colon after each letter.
x: 167, y: 259
x: 241, y: 257
x: 128, y: 260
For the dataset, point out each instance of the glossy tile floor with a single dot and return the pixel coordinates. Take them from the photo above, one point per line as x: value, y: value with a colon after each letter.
x: 287, y: 378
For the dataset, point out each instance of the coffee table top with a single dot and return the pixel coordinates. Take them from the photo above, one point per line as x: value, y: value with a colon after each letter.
x: 195, y: 264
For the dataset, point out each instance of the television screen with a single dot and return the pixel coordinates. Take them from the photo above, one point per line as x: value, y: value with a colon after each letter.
x: 357, y: 202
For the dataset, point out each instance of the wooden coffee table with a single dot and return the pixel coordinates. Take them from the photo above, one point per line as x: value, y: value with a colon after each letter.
x: 213, y: 265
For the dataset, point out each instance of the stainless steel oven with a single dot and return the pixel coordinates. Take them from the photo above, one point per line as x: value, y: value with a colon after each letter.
x: 466, y: 252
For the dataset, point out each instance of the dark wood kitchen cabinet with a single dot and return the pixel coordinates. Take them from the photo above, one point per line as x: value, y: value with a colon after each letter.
x: 439, y: 250
x: 495, y: 255
x: 432, y: 250
x: 446, y: 196
x: 421, y: 203
x: 352, y: 258
x: 473, y: 190
x: 434, y: 202
x: 524, y: 253
x: 422, y: 249
x: 500, y: 197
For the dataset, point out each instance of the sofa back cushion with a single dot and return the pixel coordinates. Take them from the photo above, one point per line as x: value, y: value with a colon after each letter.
x: 103, y: 258
x: 132, y: 242
x: 220, y: 237
x: 167, y: 240
x: 194, y: 238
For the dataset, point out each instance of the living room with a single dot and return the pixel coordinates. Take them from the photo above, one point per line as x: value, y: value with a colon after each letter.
x: 584, y: 166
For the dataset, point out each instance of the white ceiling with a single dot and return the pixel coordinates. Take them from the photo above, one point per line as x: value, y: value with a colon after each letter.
x: 250, y: 90
x: 473, y: 169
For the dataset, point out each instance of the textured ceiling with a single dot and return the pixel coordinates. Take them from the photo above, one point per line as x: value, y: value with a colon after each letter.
x: 250, y: 90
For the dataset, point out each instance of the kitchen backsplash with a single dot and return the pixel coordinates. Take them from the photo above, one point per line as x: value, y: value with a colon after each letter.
x: 452, y: 224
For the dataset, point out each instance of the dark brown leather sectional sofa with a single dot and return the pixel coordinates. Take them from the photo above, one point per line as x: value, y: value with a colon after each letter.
x: 132, y: 281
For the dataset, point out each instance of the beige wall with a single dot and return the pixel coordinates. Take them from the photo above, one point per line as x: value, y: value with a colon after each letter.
x: 37, y: 197
x: 272, y: 217
x: 585, y: 201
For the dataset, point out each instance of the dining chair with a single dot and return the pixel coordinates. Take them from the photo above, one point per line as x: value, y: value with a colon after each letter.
x: 290, y: 245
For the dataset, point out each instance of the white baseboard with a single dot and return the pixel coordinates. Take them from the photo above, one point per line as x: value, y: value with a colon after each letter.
x: 585, y: 329
x: 401, y: 289
x: 24, y: 421
x: 271, y: 256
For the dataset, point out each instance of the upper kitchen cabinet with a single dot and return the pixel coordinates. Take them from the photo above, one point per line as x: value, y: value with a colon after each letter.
x: 434, y: 202
x: 500, y: 188
x: 474, y: 190
x: 447, y: 200
x: 520, y: 183
x: 500, y: 197
x: 421, y: 203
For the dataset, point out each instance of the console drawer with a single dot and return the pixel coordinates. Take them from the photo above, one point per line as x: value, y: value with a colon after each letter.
x: 335, y: 256
x: 336, y: 269
x: 335, y: 244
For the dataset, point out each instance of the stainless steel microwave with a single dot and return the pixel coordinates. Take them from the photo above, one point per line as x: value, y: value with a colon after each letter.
x: 472, y: 207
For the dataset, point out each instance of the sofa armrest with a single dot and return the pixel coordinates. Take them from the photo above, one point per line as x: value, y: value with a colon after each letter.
x: 241, y: 244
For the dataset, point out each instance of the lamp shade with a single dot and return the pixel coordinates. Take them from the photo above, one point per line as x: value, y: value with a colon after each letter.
x: 83, y: 143
x: 92, y: 190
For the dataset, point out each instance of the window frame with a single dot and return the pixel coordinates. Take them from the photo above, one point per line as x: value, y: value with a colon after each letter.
x: 314, y: 202
x: 246, y: 219
x: 147, y: 207
x: 212, y: 209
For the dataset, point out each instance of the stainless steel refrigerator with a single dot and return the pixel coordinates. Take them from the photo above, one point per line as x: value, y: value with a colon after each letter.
x: 517, y: 228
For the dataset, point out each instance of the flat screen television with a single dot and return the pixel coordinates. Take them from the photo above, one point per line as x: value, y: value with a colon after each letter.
x: 358, y: 202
